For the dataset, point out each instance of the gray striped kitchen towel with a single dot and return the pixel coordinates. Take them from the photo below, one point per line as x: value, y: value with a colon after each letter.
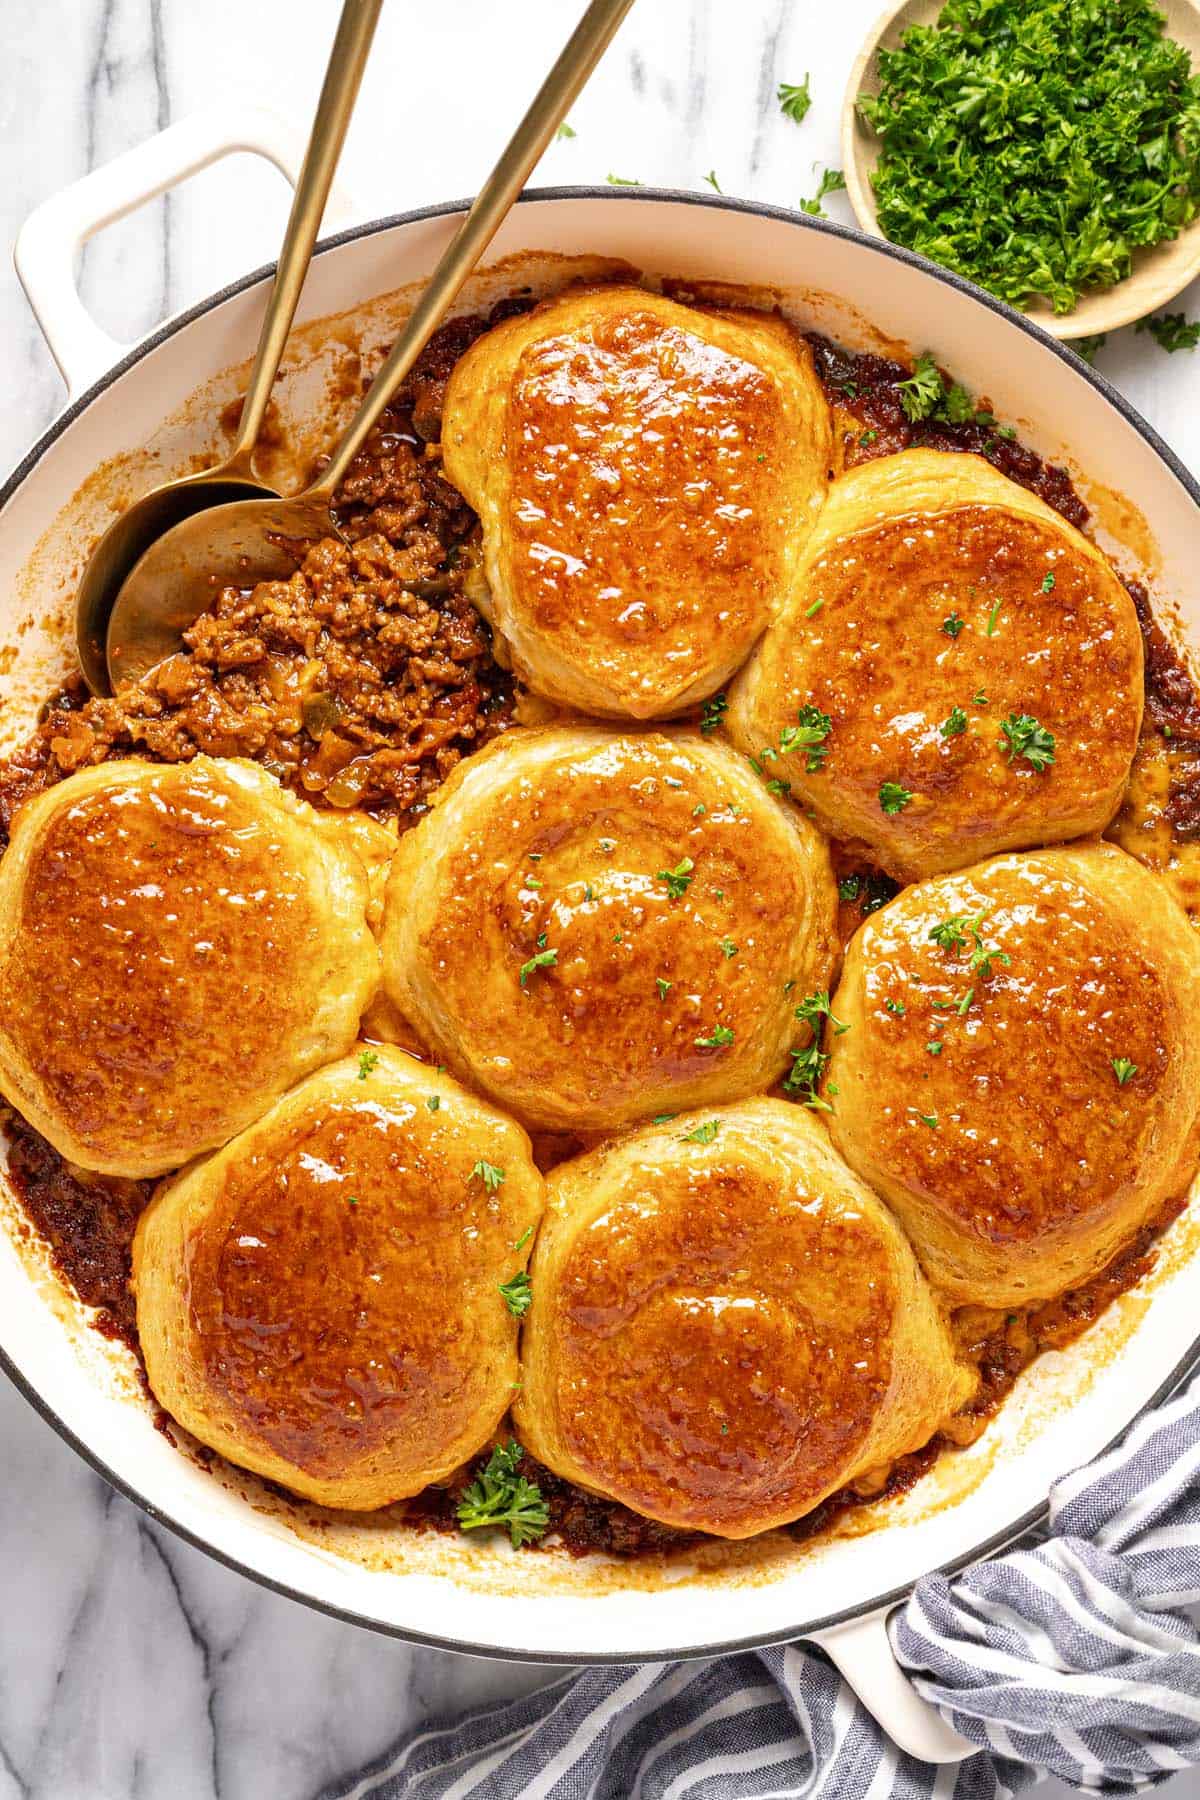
x: 1069, y: 1656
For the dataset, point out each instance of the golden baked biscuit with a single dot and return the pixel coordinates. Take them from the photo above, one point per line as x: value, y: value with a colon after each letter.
x: 972, y: 664
x: 726, y: 1325
x: 645, y: 474
x: 320, y: 1300
x: 596, y: 927
x: 1020, y: 1076
x: 178, y: 944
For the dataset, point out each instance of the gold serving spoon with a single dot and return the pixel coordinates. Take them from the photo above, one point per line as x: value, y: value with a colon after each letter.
x: 246, y: 541
x: 141, y: 524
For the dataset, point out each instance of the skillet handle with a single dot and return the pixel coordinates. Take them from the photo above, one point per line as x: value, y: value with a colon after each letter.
x: 861, y: 1651
x: 50, y: 239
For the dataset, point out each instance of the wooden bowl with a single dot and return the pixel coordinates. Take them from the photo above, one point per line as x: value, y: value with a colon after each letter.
x: 1158, y: 274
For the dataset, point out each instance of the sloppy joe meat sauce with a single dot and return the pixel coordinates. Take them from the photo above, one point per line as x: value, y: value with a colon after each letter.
x: 364, y: 678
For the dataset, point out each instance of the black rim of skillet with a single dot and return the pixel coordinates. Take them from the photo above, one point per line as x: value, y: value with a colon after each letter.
x: 1015, y: 1528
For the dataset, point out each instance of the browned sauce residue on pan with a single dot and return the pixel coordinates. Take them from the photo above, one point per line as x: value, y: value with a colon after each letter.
x: 364, y: 679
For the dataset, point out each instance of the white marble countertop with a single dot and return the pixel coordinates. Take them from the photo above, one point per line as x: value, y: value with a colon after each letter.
x: 131, y: 1667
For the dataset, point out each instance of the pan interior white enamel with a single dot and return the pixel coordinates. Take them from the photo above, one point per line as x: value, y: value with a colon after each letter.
x: 1069, y: 1405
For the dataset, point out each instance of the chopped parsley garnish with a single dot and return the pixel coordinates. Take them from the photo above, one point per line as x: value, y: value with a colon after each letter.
x: 867, y: 437
x: 832, y: 181
x: 367, y: 1061
x: 703, y: 1134
x: 1035, y: 146
x: 953, y: 624
x: 895, y: 1007
x: 930, y: 1119
x: 721, y: 1034
x: 678, y: 879
x: 608, y: 845
x: 808, y: 1064
x: 924, y: 391
x: 954, y: 724
x: 524, y: 1238
x: 1021, y: 735
x: 1123, y: 1069
x: 489, y: 1174
x: 810, y: 612
x: 795, y: 99
x: 809, y: 733
x: 1048, y: 582
x: 1172, y: 331
x: 951, y: 933
x: 934, y: 1047
x: 433, y: 1102
x: 351, y: 1199
x: 664, y: 987
x: 542, y: 959
x: 849, y: 886
x: 993, y: 615
x: 728, y: 947
x: 979, y: 698
x: 662, y: 1118
x: 699, y: 811
x: 499, y: 1496
x: 964, y: 1005
x: 893, y: 798
x: 587, y: 891
x: 517, y: 1294
x: 714, y: 711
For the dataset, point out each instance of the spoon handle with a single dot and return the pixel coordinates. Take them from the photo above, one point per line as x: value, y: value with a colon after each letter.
x: 347, y: 60
x: 579, y: 57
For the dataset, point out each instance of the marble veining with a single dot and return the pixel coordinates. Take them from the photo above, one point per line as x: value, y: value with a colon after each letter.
x: 131, y: 1666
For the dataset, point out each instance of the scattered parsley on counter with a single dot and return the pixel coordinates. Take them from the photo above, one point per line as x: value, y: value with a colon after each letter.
x: 499, y: 1496
x: 795, y: 100
x: 832, y: 182
x: 368, y: 1060
x: 489, y: 1174
x: 1086, y: 347
x: 953, y: 625
x: 544, y: 959
x: 678, y: 879
x: 703, y: 1134
x: 893, y: 798
x: 720, y: 1035
x: 713, y: 183
x: 564, y: 131
x: 1021, y: 735
x: 1173, y: 331
x: 1036, y: 145
x: 954, y: 724
x: 621, y: 181
x: 1123, y: 1069
x: 517, y: 1294
x: 714, y: 711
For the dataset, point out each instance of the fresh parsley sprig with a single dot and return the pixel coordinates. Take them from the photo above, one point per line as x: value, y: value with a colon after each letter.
x: 499, y: 1496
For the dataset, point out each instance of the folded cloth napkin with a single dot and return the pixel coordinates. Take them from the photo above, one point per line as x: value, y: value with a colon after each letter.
x: 1067, y: 1656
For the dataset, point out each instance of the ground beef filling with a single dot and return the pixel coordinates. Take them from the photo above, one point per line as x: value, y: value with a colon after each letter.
x: 361, y: 681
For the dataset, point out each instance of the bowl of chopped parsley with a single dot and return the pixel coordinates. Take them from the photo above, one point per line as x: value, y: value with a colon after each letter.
x: 1048, y: 150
